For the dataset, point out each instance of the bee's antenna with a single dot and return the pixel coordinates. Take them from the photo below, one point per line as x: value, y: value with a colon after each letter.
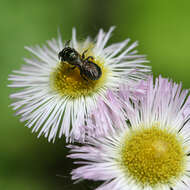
x: 83, y: 54
x: 67, y: 43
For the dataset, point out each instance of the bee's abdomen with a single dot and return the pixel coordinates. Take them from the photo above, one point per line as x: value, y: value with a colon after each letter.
x: 92, y: 71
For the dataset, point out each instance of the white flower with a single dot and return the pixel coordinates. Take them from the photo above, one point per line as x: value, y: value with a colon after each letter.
x: 53, y: 98
x: 151, y: 151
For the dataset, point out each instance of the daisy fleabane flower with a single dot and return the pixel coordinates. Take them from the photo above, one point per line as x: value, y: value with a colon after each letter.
x: 109, y: 111
x: 150, y: 151
x: 54, y: 97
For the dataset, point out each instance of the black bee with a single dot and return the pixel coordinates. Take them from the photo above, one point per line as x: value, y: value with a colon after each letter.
x: 88, y: 69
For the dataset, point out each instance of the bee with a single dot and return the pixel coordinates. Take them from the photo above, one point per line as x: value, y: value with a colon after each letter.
x: 88, y: 69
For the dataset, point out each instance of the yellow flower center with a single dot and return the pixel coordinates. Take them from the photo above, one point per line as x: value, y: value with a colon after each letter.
x: 69, y: 82
x: 153, y: 156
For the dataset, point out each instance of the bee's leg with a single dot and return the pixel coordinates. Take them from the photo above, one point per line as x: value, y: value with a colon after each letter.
x: 89, y: 57
x: 83, y: 54
x: 67, y: 43
x: 73, y: 67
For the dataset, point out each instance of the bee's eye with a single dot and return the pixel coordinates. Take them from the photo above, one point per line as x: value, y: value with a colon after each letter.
x: 72, y: 56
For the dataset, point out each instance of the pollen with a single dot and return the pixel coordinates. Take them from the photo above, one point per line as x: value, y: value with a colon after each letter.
x: 153, y: 156
x: 69, y: 82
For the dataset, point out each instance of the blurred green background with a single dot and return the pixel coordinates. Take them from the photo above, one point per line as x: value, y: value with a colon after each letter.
x: 162, y: 28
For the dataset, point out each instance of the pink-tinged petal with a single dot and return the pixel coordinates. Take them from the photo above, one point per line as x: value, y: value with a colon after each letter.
x: 162, y: 103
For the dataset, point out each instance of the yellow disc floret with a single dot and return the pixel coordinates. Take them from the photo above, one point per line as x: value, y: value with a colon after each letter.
x: 153, y: 156
x: 69, y: 82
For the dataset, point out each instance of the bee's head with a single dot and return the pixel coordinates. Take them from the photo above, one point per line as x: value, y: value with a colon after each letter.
x: 68, y: 54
